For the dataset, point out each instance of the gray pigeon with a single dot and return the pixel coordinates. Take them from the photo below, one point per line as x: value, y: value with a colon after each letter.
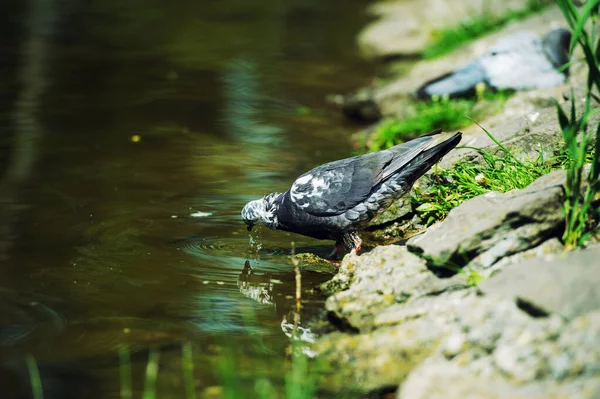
x: 519, y: 61
x: 336, y: 200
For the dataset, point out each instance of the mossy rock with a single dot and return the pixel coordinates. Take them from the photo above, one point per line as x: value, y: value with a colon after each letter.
x: 308, y: 262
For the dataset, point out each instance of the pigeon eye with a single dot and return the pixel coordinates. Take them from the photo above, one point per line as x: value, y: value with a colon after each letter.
x: 494, y: 53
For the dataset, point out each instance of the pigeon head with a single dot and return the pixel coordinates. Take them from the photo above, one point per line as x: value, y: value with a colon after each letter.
x: 262, y: 210
x: 556, y: 46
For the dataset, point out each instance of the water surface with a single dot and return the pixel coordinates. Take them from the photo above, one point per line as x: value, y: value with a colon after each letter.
x: 131, y: 134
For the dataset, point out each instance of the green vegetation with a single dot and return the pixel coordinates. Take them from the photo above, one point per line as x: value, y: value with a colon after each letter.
x: 34, y: 378
x: 445, y: 113
x: 447, y: 40
x: 580, y: 214
x: 300, y: 381
x: 439, y: 113
x: 468, y: 179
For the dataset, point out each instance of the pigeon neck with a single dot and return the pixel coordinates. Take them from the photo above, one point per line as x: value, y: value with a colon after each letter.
x: 268, y: 213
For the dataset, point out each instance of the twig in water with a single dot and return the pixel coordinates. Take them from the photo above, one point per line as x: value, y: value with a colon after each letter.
x: 298, y: 288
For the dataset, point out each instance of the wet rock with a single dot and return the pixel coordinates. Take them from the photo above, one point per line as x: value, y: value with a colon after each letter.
x: 379, y: 360
x: 568, y: 285
x: 487, y: 228
x: 308, y: 262
x: 385, y: 276
x: 344, y: 277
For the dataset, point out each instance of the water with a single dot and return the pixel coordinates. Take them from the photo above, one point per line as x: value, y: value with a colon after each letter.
x: 131, y: 135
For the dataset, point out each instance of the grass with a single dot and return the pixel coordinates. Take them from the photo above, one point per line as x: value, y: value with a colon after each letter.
x: 447, y: 40
x: 581, y: 215
x: 37, y: 391
x: 468, y: 179
x: 440, y: 113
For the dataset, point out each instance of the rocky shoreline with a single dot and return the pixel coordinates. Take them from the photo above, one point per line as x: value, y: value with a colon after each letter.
x: 486, y: 303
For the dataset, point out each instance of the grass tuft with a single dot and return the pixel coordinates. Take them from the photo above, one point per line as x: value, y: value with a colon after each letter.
x: 467, y: 180
x: 37, y: 391
x: 439, y: 113
x: 447, y: 40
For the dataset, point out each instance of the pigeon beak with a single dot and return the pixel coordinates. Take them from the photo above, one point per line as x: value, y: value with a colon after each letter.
x: 249, y: 227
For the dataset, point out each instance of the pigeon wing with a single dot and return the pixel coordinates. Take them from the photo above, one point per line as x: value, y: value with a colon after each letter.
x: 333, y: 188
x: 336, y: 187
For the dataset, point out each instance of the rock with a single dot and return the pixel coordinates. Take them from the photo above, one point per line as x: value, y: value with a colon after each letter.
x: 567, y: 285
x: 435, y: 306
x: 519, y: 357
x: 546, y: 250
x: 384, y: 357
x: 481, y: 231
x: 389, y: 94
x: 443, y: 379
x: 342, y: 280
x: 527, y: 127
x: 381, y: 278
x: 308, y: 262
x: 405, y: 28
x: 369, y: 362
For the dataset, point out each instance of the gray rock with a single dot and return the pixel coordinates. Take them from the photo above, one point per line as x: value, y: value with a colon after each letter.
x: 383, y: 277
x: 546, y: 250
x: 438, y: 379
x: 383, y: 358
x: 567, y: 285
x: 407, y: 27
x: 519, y: 357
x: 487, y: 228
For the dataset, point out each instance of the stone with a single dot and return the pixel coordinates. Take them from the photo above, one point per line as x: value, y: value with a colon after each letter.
x: 439, y: 379
x: 382, y: 358
x: 405, y: 28
x: 568, y: 285
x: 484, y: 229
x: 381, y: 278
x: 546, y: 250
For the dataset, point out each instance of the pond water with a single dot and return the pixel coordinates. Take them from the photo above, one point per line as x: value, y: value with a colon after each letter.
x: 131, y: 135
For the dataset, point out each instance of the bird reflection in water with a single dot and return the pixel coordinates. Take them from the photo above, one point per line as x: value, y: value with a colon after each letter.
x: 277, y: 289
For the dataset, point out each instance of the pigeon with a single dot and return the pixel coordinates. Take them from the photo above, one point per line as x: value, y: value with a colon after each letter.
x: 338, y: 199
x: 518, y: 61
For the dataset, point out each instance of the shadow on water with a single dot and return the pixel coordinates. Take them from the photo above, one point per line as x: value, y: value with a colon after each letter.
x: 125, y: 126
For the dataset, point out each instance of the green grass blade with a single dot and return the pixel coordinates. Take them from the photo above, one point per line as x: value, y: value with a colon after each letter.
x: 125, y: 373
x: 187, y: 365
x: 34, y: 377
x: 502, y: 147
x: 582, y: 19
x: 151, y: 374
x: 563, y: 120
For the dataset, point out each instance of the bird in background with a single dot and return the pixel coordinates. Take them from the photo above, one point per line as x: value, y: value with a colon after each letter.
x: 519, y: 61
x: 337, y: 200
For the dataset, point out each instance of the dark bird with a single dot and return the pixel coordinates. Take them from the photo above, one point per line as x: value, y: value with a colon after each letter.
x: 336, y: 200
x: 518, y: 61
